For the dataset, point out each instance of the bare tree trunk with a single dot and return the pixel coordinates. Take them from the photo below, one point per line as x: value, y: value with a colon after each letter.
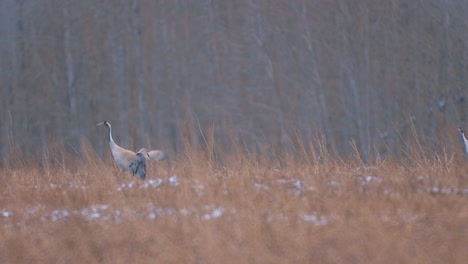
x: 18, y: 94
x: 166, y: 106
x: 69, y: 63
x: 214, y: 62
x: 364, y: 105
x: 140, y: 74
x: 118, y: 63
x: 350, y: 68
x: 8, y: 68
x: 318, y: 87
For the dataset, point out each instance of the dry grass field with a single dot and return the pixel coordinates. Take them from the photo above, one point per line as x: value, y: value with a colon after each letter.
x: 249, y: 210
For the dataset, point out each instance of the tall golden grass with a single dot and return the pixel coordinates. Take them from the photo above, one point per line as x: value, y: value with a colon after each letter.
x: 311, y: 207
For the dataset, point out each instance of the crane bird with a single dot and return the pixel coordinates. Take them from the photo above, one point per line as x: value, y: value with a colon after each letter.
x: 464, y: 142
x: 138, y: 166
x: 125, y: 158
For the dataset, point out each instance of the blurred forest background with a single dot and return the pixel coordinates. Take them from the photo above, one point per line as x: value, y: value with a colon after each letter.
x: 258, y: 75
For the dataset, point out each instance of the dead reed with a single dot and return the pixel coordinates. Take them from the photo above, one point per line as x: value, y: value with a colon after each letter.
x: 314, y: 209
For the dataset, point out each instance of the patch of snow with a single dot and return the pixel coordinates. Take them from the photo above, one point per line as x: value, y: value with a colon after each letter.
x: 282, y: 181
x: 6, y: 213
x: 441, y: 104
x: 447, y: 190
x: 173, y: 180
x: 215, y: 212
x: 94, y: 212
x: 152, y: 215
x: 206, y: 217
x: 73, y: 186
x: 260, y: 186
x: 297, y: 184
x: 317, y: 220
x: 184, y: 211
x: 294, y: 183
x: 95, y: 215
x: 59, y: 214
x: 368, y: 179
x: 164, y: 211
x: 152, y: 183
x: 126, y: 186
x: 333, y: 183
x: 218, y: 212
x: 118, y: 217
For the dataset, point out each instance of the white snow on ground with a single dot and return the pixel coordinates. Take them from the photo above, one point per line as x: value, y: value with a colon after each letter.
x: 152, y: 183
x: 215, y: 213
x: 152, y: 215
x: 140, y: 185
x: 209, y: 212
x: 260, y: 186
x: 314, y: 218
x: 333, y: 183
x: 94, y: 212
x: 369, y: 179
x: 59, y: 214
x: 173, y: 180
x: 447, y: 190
x: 295, y: 186
x: 5, y: 213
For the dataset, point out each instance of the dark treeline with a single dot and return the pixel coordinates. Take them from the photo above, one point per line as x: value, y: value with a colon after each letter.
x: 255, y: 74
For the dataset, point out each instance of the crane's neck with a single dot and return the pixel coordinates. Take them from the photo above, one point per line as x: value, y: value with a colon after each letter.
x: 111, y: 140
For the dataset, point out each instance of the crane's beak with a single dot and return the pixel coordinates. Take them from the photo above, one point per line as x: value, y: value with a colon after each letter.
x: 102, y: 123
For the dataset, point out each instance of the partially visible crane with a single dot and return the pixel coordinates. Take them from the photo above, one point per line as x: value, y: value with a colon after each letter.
x: 464, y: 142
x: 138, y: 166
x: 123, y: 157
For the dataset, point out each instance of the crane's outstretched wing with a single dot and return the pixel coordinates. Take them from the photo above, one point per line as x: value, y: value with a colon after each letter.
x: 154, y: 155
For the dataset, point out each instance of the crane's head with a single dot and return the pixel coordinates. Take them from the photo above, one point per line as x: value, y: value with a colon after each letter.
x: 461, y: 130
x: 105, y: 122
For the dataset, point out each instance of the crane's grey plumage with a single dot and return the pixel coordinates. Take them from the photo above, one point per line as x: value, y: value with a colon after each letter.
x: 464, y: 142
x: 138, y: 166
x: 123, y: 157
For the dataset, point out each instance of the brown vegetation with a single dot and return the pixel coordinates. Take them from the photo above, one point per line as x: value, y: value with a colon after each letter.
x: 249, y: 210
